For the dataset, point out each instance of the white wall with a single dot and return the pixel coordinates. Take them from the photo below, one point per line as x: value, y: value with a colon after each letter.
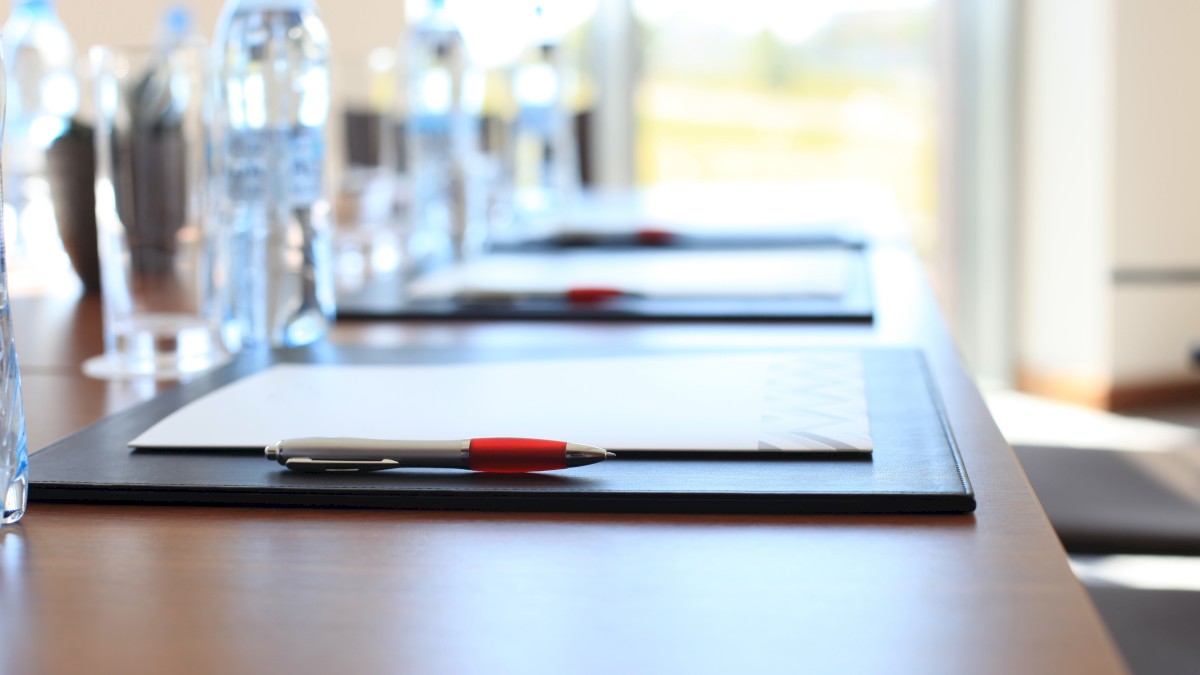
x: 1157, y: 203
x: 355, y: 26
x: 1157, y: 134
x: 1111, y: 195
x: 1067, y: 164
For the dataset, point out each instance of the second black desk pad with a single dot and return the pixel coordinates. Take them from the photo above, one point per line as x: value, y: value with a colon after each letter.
x: 916, y: 467
x: 384, y: 298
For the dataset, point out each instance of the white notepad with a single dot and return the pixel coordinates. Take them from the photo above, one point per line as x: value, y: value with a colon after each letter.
x: 717, y: 211
x: 792, y: 402
x: 780, y: 273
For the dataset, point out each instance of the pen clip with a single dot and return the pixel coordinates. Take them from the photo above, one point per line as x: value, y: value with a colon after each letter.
x: 339, y: 465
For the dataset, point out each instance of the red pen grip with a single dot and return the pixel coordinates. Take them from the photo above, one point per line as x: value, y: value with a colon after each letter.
x: 590, y: 295
x: 653, y: 236
x: 517, y: 455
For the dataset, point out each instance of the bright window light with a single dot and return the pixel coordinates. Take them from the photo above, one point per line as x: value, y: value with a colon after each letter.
x: 768, y: 91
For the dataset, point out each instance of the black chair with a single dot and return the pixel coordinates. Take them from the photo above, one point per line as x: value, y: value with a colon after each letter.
x: 1114, y: 502
x: 1154, y: 629
x: 1102, y: 501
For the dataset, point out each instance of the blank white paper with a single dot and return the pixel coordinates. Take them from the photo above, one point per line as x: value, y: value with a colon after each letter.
x: 781, y: 273
x: 792, y: 402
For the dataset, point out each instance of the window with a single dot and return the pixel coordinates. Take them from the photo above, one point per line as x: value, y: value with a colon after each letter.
x: 759, y: 90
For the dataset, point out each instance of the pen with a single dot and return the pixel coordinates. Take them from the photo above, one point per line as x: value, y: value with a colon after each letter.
x: 646, y: 236
x: 583, y: 295
x: 602, y: 297
x: 493, y: 455
x: 656, y: 237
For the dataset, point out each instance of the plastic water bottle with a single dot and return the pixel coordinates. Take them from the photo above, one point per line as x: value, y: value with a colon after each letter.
x: 43, y: 95
x: 271, y: 106
x: 444, y: 96
x: 159, y: 95
x: 546, y: 164
x: 177, y: 25
x: 14, y: 465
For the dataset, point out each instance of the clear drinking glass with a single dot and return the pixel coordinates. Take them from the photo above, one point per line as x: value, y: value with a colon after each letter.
x: 159, y: 283
x: 14, y: 465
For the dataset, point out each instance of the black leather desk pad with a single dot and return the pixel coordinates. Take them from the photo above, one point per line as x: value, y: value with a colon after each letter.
x: 384, y: 298
x: 916, y: 467
x: 834, y: 235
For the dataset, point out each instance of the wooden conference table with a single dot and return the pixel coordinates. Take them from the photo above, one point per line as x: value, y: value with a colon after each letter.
x: 133, y: 589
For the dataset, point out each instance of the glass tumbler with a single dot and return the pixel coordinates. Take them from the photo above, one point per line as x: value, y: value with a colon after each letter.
x: 14, y: 464
x: 158, y: 276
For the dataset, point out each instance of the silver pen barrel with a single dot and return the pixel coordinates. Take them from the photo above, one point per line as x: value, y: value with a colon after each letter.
x: 440, y: 454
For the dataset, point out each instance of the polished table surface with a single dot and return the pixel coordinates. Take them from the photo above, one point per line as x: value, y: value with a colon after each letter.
x: 131, y: 589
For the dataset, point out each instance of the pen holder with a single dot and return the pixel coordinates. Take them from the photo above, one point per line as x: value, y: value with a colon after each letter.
x: 159, y: 284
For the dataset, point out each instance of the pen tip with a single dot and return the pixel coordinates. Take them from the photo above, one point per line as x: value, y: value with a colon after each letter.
x: 609, y: 455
